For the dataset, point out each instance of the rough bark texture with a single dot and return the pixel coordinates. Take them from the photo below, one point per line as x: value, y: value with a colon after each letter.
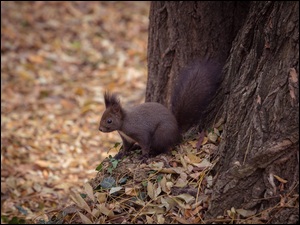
x: 258, y: 98
x: 182, y: 31
x: 261, y: 109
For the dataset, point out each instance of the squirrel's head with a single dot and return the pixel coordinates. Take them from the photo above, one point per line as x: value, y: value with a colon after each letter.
x: 112, y: 117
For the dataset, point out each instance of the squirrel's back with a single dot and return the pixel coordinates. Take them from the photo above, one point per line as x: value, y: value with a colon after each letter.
x: 152, y: 125
x: 193, y: 90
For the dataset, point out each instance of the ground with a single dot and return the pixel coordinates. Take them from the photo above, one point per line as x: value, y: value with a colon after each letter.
x: 57, y: 58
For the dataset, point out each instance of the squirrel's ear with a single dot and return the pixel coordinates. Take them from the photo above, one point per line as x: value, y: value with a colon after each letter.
x: 116, y: 109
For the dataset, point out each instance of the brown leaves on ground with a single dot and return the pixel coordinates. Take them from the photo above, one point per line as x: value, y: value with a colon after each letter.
x: 57, y: 58
x: 168, y: 188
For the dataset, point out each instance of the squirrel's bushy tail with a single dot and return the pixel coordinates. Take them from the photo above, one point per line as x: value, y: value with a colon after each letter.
x: 193, y: 90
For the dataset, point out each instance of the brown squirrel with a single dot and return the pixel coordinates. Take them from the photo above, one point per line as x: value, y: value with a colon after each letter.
x: 154, y: 127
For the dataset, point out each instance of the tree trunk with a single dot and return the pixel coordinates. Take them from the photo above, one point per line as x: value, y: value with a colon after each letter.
x: 181, y: 31
x: 261, y: 108
x: 258, y: 43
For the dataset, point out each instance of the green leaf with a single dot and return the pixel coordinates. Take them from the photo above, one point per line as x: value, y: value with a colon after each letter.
x: 114, y: 162
x: 159, y: 177
x: 145, y: 183
x: 83, y: 195
x: 16, y: 220
x: 117, y: 144
x: 99, y: 167
x: 109, y: 170
x: 4, y: 219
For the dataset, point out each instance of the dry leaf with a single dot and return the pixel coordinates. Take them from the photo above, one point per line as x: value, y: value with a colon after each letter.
x: 104, y: 210
x: 203, y: 164
x: 212, y: 137
x: 149, y: 220
x: 168, y: 202
x: 89, y: 191
x: 246, y: 213
x: 181, y: 203
x: 183, y: 162
x: 80, y: 202
x: 85, y: 219
x: 193, y: 158
x: 293, y: 75
x: 193, y: 143
x: 115, y: 189
x: 182, y: 180
x: 156, y: 165
x: 280, y: 179
x: 153, y: 209
x: 131, y: 191
x: 181, y: 220
x: 196, y: 175
x: 186, y: 197
x: 101, y: 197
x: 205, y: 140
x: 153, y: 190
x: 160, y: 219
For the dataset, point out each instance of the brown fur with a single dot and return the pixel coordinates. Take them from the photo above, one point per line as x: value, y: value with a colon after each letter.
x: 152, y: 125
x: 192, y: 92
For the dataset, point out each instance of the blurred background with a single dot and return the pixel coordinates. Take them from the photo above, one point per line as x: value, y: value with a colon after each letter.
x: 57, y: 59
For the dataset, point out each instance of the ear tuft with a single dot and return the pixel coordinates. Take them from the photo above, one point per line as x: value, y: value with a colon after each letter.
x: 111, y: 100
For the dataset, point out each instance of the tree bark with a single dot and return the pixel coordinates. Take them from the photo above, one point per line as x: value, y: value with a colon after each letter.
x: 258, y: 44
x: 182, y: 31
x: 260, y: 93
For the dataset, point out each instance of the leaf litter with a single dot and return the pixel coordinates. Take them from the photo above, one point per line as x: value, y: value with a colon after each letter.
x: 157, y: 190
x: 57, y: 58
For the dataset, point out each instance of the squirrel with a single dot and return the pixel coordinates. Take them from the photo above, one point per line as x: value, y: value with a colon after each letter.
x: 152, y: 125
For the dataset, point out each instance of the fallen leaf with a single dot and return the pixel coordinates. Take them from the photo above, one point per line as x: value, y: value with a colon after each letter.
x: 203, y: 164
x: 101, y: 197
x: 246, y: 213
x: 213, y: 137
x: 153, y: 190
x: 104, y: 210
x: 81, y: 203
x: 85, y: 219
x: 280, y: 179
x: 115, y: 189
x: 186, y: 197
x: 89, y: 190
x: 193, y: 158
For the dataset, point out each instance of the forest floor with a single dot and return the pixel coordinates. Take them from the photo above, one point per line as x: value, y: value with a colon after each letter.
x: 57, y: 58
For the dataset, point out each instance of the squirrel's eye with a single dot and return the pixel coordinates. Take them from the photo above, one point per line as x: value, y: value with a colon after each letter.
x: 109, y: 121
